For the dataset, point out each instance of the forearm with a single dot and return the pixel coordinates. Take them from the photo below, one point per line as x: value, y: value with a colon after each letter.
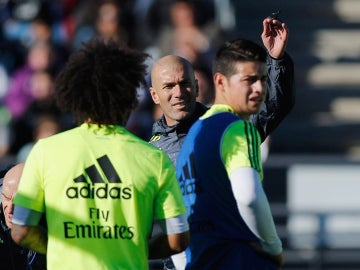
x: 162, y: 246
x: 159, y: 247
x: 31, y: 237
x: 173, y: 239
x: 265, y: 226
x: 254, y: 208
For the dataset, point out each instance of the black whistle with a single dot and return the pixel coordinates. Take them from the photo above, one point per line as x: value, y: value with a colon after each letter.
x: 275, y: 15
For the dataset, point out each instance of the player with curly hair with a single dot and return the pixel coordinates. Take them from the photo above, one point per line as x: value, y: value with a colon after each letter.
x: 100, y: 186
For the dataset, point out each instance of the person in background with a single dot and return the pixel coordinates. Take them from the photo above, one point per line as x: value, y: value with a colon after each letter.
x: 174, y: 89
x: 219, y: 170
x: 206, y: 90
x: 101, y: 19
x: 23, y: 129
x: 45, y: 125
x: 12, y: 256
x: 186, y: 36
x: 20, y: 93
x: 100, y: 186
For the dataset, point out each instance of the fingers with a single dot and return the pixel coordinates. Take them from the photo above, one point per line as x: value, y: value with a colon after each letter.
x: 273, y: 23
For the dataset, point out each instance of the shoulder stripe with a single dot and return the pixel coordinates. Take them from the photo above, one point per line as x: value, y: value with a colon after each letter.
x: 256, y: 146
x: 253, y: 145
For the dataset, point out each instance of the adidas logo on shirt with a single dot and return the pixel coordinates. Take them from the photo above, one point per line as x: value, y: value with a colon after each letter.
x: 99, y: 187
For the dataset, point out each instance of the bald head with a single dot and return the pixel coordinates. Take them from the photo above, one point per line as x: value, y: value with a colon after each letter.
x: 167, y: 62
x: 10, y: 186
x: 12, y: 177
x: 174, y: 88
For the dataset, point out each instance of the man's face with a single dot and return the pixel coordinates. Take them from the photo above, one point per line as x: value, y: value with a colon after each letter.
x: 7, y: 197
x: 174, y: 88
x: 10, y: 186
x: 245, y: 91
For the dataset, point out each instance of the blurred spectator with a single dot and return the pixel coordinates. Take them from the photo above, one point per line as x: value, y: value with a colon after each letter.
x: 185, y: 36
x: 101, y: 19
x: 151, y: 17
x: 33, y: 21
x: 43, y: 103
x: 45, y: 126
x: 41, y: 85
x: 206, y: 90
x: 11, y: 52
x: 20, y: 94
x: 63, y: 24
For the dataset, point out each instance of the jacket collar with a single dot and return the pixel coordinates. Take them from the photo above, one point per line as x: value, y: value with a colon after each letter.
x: 160, y: 126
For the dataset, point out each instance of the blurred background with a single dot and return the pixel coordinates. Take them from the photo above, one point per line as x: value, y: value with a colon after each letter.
x: 311, y: 162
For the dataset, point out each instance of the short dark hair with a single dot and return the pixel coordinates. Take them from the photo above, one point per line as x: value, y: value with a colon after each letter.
x: 239, y: 50
x: 100, y: 81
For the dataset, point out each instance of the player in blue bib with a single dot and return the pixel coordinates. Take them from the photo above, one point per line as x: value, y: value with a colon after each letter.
x: 219, y: 170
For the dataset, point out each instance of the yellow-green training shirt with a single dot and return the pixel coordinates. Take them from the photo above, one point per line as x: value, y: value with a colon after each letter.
x: 100, y: 189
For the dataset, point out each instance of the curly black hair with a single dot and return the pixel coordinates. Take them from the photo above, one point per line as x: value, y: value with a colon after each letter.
x: 99, y: 82
x: 239, y: 50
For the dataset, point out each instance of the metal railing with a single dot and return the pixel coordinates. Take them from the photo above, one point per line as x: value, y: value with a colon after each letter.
x: 328, y: 243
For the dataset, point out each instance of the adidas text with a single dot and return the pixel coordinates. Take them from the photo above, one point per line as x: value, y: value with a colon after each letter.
x: 102, y: 192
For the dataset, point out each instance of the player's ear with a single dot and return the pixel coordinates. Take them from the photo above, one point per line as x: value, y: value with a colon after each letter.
x: 219, y: 81
x: 154, y: 96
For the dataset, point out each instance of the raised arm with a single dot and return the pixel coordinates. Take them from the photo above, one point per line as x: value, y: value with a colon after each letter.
x: 281, y: 93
